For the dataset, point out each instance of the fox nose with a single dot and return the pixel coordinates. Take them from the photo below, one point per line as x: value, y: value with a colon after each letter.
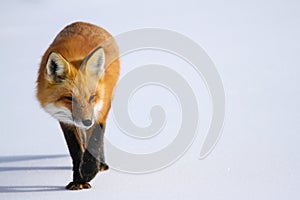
x: 87, y: 122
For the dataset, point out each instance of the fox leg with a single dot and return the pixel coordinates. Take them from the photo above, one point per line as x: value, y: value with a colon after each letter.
x: 76, y: 155
x: 102, y: 121
x: 103, y: 166
x: 93, y: 155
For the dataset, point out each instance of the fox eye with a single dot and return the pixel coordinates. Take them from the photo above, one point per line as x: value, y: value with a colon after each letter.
x: 92, y: 97
x: 69, y: 98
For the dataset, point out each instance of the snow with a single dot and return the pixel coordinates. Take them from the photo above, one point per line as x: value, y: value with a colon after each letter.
x: 255, y: 47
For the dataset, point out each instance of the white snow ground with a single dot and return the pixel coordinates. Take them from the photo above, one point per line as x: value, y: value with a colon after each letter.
x: 255, y: 46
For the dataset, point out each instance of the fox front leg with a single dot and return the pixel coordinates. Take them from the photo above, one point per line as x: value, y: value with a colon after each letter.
x: 103, y: 166
x: 76, y: 155
x: 93, y: 157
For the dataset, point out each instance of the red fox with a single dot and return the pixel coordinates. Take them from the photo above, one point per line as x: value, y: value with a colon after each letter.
x: 76, y: 81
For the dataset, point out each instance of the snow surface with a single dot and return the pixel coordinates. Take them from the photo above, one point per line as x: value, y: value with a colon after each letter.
x: 255, y: 47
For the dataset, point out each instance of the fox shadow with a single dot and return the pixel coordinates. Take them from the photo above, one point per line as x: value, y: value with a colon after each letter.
x: 30, y: 188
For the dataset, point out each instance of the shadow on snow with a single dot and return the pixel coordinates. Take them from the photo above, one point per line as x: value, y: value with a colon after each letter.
x: 30, y: 188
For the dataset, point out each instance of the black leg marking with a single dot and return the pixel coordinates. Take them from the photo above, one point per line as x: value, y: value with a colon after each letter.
x: 103, y: 166
x: 86, y: 164
x: 74, y: 149
x: 89, y: 167
x: 76, y: 154
x: 91, y: 162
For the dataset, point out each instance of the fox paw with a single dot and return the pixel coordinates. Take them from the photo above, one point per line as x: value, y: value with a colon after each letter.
x: 78, y: 186
x: 103, y: 167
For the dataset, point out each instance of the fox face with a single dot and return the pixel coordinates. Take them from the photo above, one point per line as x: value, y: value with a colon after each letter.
x: 76, y: 88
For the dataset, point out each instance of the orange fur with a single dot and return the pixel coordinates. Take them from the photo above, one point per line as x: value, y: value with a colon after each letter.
x: 74, y: 43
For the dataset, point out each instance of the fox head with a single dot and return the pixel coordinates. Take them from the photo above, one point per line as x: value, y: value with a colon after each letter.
x: 73, y: 93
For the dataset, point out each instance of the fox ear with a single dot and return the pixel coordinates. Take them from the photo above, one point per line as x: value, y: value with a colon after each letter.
x: 94, y: 63
x: 56, y: 68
